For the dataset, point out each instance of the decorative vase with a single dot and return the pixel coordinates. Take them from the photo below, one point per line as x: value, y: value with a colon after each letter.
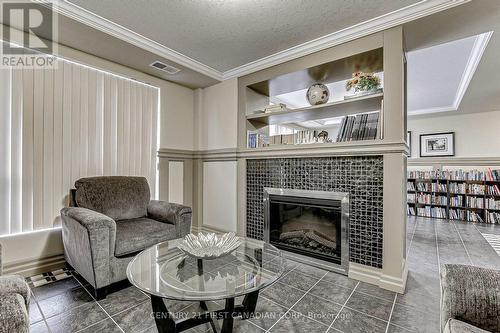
x: 318, y: 93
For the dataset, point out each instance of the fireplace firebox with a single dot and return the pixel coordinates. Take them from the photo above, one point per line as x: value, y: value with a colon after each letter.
x: 308, y: 223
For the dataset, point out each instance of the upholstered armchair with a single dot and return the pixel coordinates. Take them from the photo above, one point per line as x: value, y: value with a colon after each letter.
x: 112, y: 219
x: 14, y: 302
x: 470, y: 299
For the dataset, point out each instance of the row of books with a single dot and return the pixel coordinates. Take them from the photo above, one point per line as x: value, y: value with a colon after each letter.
x: 475, y: 202
x: 479, y: 175
x: 410, y: 197
x: 456, y: 201
x: 492, y: 203
x: 493, y: 190
x: 457, y: 188
x: 465, y: 215
x: 358, y: 127
x: 492, y: 217
x: 475, y: 189
x: 410, y: 186
x: 257, y: 140
x: 428, y: 211
x: 410, y: 210
x: 431, y: 199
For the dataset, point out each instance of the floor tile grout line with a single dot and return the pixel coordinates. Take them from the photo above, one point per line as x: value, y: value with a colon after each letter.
x: 390, y: 316
x: 463, y: 244
x: 288, y: 310
x: 99, y: 306
x: 343, y: 306
x: 100, y: 321
x: 411, y: 240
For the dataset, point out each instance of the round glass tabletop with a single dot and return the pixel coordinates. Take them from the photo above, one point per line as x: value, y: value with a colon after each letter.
x: 165, y: 271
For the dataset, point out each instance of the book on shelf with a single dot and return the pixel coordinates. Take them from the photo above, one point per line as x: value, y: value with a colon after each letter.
x: 457, y: 188
x: 475, y: 202
x: 492, y: 217
x: 492, y: 190
x: 358, y: 127
x: 456, y: 201
x: 491, y: 203
x: 410, y: 186
x: 256, y: 140
x: 410, y: 197
x: 475, y: 189
x: 410, y: 210
x: 298, y: 138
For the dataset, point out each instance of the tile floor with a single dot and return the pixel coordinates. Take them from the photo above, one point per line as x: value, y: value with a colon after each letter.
x: 306, y: 299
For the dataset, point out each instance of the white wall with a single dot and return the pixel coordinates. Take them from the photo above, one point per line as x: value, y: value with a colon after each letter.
x: 176, y: 182
x: 476, y: 134
x: 217, y: 116
x: 219, y: 195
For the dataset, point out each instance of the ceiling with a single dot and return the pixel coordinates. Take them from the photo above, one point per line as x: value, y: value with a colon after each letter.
x: 442, y: 73
x: 470, y: 19
x: 224, y: 34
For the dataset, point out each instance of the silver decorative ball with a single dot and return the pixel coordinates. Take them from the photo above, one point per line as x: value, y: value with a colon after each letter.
x: 318, y: 93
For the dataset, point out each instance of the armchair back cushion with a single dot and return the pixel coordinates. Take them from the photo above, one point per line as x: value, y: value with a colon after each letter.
x: 119, y: 197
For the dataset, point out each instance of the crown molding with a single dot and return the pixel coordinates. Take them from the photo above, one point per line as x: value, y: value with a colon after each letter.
x: 475, y: 56
x: 386, y: 21
x: 100, y: 23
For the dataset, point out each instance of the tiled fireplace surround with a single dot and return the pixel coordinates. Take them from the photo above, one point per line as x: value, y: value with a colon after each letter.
x: 360, y: 176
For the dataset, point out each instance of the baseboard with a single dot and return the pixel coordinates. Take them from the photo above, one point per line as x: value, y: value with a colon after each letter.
x: 395, y: 284
x: 32, y: 267
x: 377, y: 277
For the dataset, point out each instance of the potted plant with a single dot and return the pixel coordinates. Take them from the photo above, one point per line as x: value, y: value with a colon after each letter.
x: 363, y: 84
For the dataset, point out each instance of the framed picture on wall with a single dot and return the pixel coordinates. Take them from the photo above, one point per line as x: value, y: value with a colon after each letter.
x: 437, y: 144
x: 408, y: 140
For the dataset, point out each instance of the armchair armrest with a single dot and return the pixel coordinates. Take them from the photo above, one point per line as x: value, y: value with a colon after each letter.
x: 89, y: 243
x: 172, y: 213
x: 89, y: 219
x: 472, y: 295
x: 13, y: 284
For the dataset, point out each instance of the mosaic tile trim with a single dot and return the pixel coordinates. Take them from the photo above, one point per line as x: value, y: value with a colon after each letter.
x: 361, y: 177
x: 49, y: 277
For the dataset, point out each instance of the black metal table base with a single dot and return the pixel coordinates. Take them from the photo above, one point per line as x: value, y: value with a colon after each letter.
x: 166, y: 323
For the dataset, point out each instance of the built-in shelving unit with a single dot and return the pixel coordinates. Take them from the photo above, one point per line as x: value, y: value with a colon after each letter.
x: 454, y: 199
x: 299, y: 123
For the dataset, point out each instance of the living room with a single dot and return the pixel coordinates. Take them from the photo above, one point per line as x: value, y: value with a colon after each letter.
x: 211, y: 166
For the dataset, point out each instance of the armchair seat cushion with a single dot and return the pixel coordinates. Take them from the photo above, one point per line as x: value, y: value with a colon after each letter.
x: 135, y: 235
x: 457, y: 326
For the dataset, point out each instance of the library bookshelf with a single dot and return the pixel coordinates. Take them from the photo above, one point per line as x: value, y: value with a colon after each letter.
x: 454, y: 199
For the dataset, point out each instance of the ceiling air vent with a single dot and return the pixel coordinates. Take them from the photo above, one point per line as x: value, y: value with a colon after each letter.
x: 164, y: 67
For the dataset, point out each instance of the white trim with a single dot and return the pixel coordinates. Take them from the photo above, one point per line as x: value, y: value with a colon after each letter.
x: 480, y: 44
x: 475, y: 56
x: 30, y: 267
x: 386, y: 21
x: 375, y: 276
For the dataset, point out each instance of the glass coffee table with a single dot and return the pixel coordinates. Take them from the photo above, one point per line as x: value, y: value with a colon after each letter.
x: 165, y: 272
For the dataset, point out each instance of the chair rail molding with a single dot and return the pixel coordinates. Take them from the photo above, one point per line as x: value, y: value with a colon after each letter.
x: 386, y: 21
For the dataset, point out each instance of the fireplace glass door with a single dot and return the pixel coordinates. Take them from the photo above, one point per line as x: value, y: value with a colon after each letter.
x: 307, y: 226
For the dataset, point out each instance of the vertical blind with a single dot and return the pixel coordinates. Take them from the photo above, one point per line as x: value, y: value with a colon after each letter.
x: 61, y: 124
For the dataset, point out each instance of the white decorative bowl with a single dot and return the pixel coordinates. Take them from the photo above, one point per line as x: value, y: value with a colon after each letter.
x: 209, y: 245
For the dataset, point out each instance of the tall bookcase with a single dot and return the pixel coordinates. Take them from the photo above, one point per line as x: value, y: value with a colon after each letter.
x: 464, y: 200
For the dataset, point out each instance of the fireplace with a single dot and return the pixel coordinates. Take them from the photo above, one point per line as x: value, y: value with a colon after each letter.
x: 310, y: 224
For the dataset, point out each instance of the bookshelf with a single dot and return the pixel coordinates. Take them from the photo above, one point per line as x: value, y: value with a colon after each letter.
x: 472, y: 196
x: 276, y: 112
